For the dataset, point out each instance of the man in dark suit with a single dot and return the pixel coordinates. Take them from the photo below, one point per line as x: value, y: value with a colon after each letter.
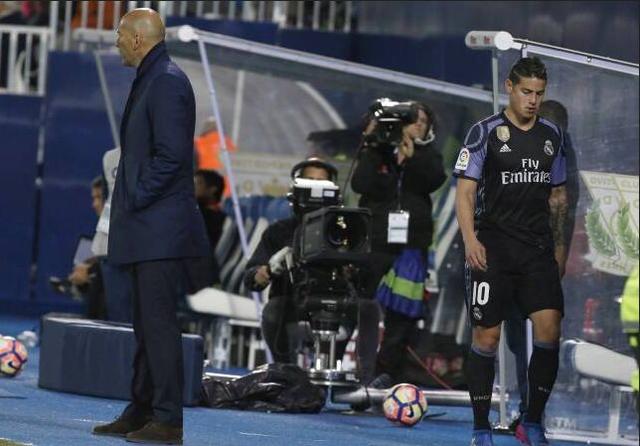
x: 156, y: 229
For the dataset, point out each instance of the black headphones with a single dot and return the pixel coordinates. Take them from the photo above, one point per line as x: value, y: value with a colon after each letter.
x: 297, y: 170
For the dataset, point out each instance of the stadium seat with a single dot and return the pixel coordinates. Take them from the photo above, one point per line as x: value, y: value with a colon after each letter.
x: 226, y: 316
x: 246, y: 207
x: 594, y: 361
x: 227, y: 207
x: 278, y: 209
x: 221, y: 314
x: 233, y: 284
x: 227, y: 240
x: 263, y: 204
x: 237, y: 254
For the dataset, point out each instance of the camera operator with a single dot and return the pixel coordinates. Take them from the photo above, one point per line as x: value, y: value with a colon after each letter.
x: 281, y: 308
x: 397, y: 169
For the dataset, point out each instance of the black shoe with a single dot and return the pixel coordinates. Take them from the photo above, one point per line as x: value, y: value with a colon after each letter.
x: 120, y: 427
x: 382, y: 381
x: 155, y: 432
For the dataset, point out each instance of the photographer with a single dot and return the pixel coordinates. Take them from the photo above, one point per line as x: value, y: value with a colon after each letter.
x: 397, y: 170
x: 281, y: 309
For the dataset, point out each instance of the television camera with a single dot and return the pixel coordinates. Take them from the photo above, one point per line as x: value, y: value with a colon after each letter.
x: 326, y: 262
x: 391, y: 117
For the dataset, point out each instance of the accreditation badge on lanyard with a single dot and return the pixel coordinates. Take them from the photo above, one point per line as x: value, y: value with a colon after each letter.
x: 398, y: 228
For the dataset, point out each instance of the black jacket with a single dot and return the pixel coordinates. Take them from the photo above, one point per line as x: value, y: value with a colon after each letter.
x: 278, y: 235
x: 378, y: 182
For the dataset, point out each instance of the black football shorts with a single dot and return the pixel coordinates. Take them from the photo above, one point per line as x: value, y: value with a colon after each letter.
x: 517, y: 274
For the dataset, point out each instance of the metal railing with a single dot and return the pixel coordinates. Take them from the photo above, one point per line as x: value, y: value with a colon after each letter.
x: 23, y: 59
x: 317, y: 15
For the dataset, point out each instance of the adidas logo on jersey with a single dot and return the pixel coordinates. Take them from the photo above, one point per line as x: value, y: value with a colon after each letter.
x: 505, y: 148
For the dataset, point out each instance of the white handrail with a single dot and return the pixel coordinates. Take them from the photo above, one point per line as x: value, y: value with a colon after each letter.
x: 276, y: 52
x: 502, y: 41
x: 330, y: 63
x: 580, y: 57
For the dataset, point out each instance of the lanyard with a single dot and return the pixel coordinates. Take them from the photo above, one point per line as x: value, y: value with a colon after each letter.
x: 399, y: 187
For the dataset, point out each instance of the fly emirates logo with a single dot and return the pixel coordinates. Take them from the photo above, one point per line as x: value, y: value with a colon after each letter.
x: 528, y: 174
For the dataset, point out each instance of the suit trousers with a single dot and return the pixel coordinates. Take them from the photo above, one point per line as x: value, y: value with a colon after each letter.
x: 117, y: 290
x: 156, y: 389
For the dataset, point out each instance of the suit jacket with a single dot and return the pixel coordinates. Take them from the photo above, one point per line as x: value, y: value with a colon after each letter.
x: 154, y: 214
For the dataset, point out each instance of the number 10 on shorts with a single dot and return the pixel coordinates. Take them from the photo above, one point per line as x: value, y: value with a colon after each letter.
x: 480, y: 293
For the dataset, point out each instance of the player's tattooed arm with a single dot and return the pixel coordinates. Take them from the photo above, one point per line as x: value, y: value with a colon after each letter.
x: 559, y: 205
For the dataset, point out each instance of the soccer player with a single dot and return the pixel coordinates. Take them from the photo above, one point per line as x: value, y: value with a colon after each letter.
x: 511, y: 204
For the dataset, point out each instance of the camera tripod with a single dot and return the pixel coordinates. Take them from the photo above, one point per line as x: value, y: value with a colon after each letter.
x: 325, y: 319
x: 327, y: 370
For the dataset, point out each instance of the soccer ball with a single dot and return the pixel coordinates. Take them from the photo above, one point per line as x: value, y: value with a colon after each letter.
x: 13, y: 356
x: 405, y: 404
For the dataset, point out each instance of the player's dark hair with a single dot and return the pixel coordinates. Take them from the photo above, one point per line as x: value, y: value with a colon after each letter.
x: 212, y: 179
x: 527, y: 67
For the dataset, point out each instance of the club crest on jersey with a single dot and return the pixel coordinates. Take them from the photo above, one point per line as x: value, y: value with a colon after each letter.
x: 463, y: 160
x: 502, y: 132
x: 477, y: 313
x: 548, y: 147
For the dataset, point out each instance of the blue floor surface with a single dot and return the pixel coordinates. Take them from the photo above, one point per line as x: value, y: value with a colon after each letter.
x: 35, y: 416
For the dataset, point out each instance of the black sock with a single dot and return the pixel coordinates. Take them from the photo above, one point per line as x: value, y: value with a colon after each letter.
x: 543, y: 369
x: 480, y: 372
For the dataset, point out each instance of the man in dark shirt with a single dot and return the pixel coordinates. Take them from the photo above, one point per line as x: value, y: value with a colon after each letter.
x: 281, y: 310
x: 511, y: 204
x: 209, y: 187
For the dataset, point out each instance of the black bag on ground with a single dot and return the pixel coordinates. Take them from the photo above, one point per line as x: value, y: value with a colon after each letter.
x: 270, y: 388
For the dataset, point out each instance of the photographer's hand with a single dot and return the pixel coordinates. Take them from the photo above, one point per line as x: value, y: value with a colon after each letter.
x: 370, y: 127
x: 406, y: 149
x: 262, y: 277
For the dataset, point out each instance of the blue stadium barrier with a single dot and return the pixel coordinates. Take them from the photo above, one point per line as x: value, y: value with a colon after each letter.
x: 19, y: 124
x: 77, y: 135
